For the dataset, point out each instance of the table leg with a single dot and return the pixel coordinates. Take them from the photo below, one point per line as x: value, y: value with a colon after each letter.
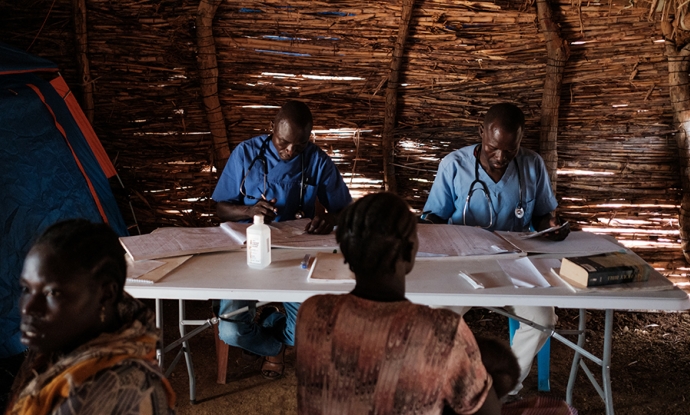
x: 159, y: 325
x: 606, y: 362
x: 187, y: 354
x: 576, y: 358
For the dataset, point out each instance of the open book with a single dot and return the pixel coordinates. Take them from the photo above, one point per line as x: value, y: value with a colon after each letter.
x: 463, y: 241
x: 178, y: 241
x: 577, y: 243
x: 229, y: 236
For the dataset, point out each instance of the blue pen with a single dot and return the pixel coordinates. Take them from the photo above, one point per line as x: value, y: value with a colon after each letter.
x: 305, y: 262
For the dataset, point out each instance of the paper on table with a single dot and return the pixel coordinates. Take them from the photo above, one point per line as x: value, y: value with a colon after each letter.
x: 577, y: 243
x: 157, y: 269
x: 495, y: 279
x: 330, y: 267
x: 544, y: 266
x: 454, y: 240
x: 177, y: 241
x: 523, y: 273
x: 287, y: 234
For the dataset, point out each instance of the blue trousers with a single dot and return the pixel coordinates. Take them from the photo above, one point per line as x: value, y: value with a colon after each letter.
x: 264, y: 340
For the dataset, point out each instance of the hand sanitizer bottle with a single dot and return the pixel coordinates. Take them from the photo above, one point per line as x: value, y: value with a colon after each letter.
x: 258, y: 244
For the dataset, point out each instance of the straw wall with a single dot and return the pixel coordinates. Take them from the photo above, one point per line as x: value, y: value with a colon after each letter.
x: 616, y: 153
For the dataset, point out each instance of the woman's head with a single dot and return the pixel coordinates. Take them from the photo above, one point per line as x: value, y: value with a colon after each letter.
x: 376, y: 233
x: 73, y: 278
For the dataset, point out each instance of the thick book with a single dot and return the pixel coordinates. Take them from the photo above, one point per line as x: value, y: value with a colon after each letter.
x: 604, y: 269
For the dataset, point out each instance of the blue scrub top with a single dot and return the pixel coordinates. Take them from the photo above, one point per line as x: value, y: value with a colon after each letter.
x: 456, y: 172
x: 321, y: 179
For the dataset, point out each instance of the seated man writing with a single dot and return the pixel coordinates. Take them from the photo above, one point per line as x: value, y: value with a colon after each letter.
x: 499, y: 185
x: 372, y: 351
x: 280, y: 176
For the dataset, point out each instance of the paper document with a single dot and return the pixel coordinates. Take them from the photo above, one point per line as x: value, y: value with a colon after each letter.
x: 455, y: 240
x: 523, y: 273
x: 577, y: 243
x: 474, y: 283
x: 329, y: 267
x: 287, y: 234
x: 177, y: 241
x: 150, y: 271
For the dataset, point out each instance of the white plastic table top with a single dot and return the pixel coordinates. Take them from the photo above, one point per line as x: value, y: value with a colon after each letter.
x: 432, y: 282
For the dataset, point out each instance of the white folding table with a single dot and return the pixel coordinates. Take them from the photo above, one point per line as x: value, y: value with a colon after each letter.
x: 432, y: 282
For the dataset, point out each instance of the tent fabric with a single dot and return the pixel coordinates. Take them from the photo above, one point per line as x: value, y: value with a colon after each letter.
x: 46, y: 165
x: 17, y: 61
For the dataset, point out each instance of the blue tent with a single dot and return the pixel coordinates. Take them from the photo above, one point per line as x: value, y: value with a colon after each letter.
x: 52, y: 167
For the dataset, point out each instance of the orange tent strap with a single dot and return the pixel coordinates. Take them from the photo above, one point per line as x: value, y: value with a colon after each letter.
x: 61, y: 87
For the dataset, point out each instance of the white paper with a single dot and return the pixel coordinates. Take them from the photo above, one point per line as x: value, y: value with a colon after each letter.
x: 475, y: 284
x: 456, y: 240
x: 523, y: 273
x: 577, y: 243
x: 135, y: 269
x: 176, y: 241
x: 287, y: 234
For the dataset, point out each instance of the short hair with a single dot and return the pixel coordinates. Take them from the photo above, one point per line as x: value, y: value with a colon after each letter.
x: 374, y: 231
x: 93, y: 248
x: 506, y: 115
x: 297, y: 113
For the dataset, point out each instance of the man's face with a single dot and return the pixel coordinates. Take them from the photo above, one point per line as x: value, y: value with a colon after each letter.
x: 499, y: 147
x: 289, y: 139
x: 59, y: 307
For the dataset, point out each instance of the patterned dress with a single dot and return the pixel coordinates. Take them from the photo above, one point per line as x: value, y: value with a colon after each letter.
x: 356, y: 356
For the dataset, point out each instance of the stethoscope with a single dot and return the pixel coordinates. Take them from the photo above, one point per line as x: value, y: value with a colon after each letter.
x: 262, y: 157
x: 519, y: 210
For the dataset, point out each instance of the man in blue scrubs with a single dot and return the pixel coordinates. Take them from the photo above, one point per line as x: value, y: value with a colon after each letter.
x: 281, y: 176
x: 498, y: 185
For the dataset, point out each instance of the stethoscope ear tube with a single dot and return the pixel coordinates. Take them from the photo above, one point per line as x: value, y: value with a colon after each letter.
x: 262, y: 157
x: 519, y: 209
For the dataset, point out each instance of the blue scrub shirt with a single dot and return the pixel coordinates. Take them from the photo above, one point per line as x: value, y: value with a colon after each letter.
x: 456, y: 172
x: 321, y: 179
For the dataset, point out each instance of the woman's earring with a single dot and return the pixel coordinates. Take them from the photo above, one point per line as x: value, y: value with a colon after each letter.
x: 103, y: 314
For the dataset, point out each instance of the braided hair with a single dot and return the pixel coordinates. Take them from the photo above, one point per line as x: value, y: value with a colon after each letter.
x: 374, y: 231
x: 88, y: 247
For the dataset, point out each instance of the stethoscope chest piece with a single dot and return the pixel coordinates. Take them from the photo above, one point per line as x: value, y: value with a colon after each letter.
x: 519, y: 212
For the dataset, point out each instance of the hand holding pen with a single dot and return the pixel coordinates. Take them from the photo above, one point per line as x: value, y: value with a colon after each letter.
x: 264, y: 207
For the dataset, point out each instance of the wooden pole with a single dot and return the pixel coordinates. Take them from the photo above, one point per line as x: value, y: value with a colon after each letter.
x: 83, y: 70
x: 387, y: 138
x: 679, y: 89
x: 208, y: 74
x: 557, y: 55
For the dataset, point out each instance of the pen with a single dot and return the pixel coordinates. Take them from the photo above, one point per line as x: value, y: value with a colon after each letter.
x: 305, y: 262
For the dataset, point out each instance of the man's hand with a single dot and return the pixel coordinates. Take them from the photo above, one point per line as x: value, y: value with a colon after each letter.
x: 548, y: 221
x: 264, y: 207
x: 232, y: 212
x: 320, y: 225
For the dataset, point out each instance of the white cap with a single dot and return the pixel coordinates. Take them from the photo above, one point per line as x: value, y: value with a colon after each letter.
x: 258, y: 219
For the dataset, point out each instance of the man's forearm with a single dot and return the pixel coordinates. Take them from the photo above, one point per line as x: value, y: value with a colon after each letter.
x: 231, y: 212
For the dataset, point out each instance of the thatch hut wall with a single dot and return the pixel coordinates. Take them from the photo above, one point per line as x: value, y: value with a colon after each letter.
x: 617, y: 159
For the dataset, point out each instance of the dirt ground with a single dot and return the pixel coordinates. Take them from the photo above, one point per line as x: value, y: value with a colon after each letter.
x: 650, y: 367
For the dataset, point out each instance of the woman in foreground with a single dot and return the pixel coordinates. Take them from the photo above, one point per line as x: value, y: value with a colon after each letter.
x: 91, y: 346
x: 372, y: 351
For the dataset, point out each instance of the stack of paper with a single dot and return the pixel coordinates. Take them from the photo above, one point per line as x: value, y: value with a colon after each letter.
x: 464, y: 241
